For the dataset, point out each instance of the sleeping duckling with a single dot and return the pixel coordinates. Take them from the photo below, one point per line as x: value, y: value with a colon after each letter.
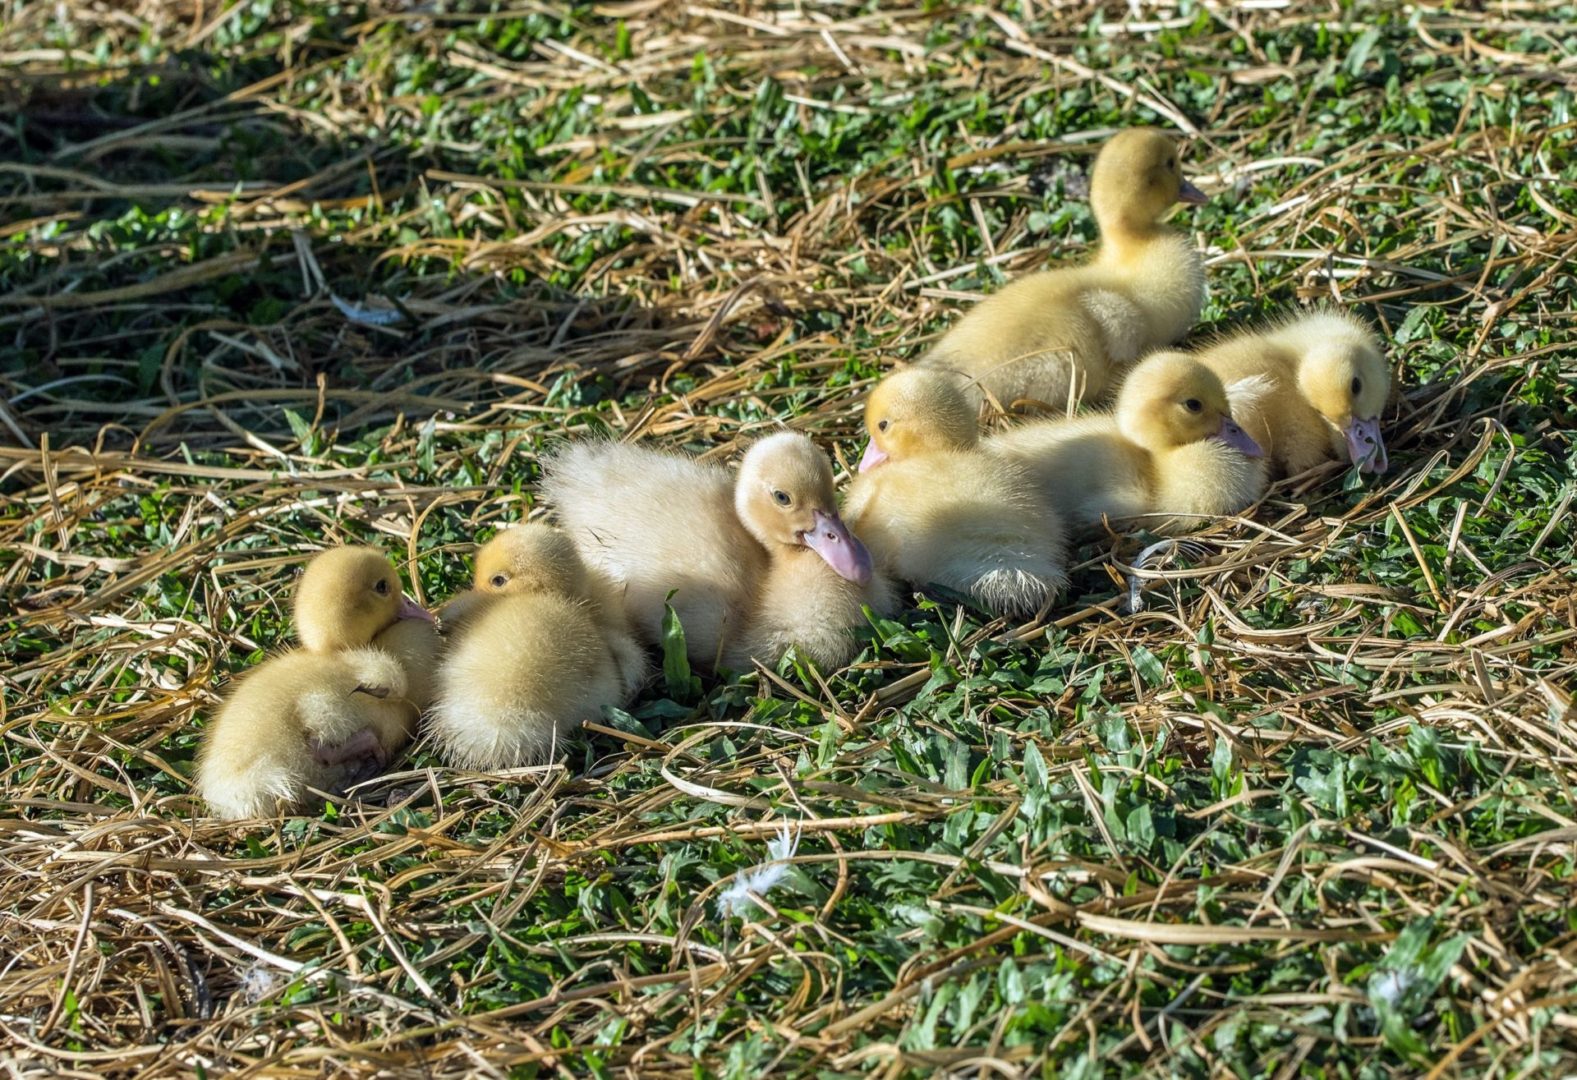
x: 1063, y: 336
x: 523, y: 560
x: 753, y: 563
x: 933, y: 509
x: 1170, y: 446
x: 1309, y: 389
x: 333, y: 712
x: 543, y: 647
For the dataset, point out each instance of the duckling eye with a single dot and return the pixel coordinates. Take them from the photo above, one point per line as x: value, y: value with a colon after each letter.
x: 1171, y: 163
x: 382, y: 587
x: 1193, y: 404
x: 499, y: 581
x: 882, y: 426
x: 1357, y: 386
x: 782, y: 498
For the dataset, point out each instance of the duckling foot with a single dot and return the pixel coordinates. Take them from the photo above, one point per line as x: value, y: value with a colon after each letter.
x: 363, y: 745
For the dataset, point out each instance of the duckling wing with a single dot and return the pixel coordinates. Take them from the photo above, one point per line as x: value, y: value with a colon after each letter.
x: 1203, y: 480
x: 1032, y: 340
x: 1083, y: 467
x: 378, y: 672
x: 1124, y: 328
x: 659, y: 523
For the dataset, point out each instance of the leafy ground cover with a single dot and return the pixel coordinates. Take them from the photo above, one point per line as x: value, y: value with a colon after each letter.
x: 275, y: 275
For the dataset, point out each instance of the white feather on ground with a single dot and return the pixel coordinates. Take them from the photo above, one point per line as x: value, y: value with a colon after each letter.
x: 735, y: 900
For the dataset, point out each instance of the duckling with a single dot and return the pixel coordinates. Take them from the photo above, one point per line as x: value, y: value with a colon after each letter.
x: 1062, y: 336
x: 752, y: 563
x: 542, y: 648
x: 1316, y: 385
x: 933, y: 509
x: 331, y: 713
x: 820, y: 577
x: 1170, y: 446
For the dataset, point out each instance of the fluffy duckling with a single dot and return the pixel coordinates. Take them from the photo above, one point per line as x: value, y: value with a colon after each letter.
x: 543, y: 647
x: 333, y: 712
x: 820, y: 576
x: 933, y: 509
x: 754, y: 563
x: 1063, y: 336
x: 1308, y: 388
x: 1170, y: 446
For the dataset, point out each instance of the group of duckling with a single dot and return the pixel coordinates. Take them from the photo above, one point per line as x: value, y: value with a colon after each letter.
x: 561, y: 622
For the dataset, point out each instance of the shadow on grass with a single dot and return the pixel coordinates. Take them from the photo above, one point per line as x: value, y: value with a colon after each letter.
x: 186, y: 268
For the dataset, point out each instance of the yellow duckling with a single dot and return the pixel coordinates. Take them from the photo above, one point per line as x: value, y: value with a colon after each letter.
x: 543, y: 647
x: 754, y: 562
x: 820, y: 577
x: 1308, y: 388
x: 1170, y: 446
x: 1063, y: 336
x: 933, y: 509
x: 329, y: 714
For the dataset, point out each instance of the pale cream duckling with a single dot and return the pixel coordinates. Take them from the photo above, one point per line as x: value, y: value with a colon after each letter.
x: 820, y: 577
x: 1171, y: 446
x: 1065, y: 335
x: 542, y: 648
x: 333, y: 712
x: 1308, y: 388
x: 753, y: 563
x: 935, y: 510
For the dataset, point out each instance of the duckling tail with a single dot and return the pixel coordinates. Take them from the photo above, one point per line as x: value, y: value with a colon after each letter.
x: 1018, y: 590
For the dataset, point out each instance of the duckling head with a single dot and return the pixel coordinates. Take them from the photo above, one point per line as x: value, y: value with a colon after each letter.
x: 914, y: 411
x: 784, y: 497
x: 1343, y: 374
x: 347, y: 596
x: 530, y: 558
x: 1138, y: 177
x: 1170, y: 399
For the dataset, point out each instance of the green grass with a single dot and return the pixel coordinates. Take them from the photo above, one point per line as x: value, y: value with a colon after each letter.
x: 1309, y: 813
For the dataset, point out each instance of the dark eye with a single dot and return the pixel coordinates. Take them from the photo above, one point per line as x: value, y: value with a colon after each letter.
x: 1357, y: 386
x: 1171, y: 164
x: 882, y: 426
x: 499, y: 581
x: 1193, y: 404
x: 382, y: 588
x: 783, y: 498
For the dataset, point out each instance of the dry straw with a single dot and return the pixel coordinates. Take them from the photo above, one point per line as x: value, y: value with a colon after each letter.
x: 137, y: 937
